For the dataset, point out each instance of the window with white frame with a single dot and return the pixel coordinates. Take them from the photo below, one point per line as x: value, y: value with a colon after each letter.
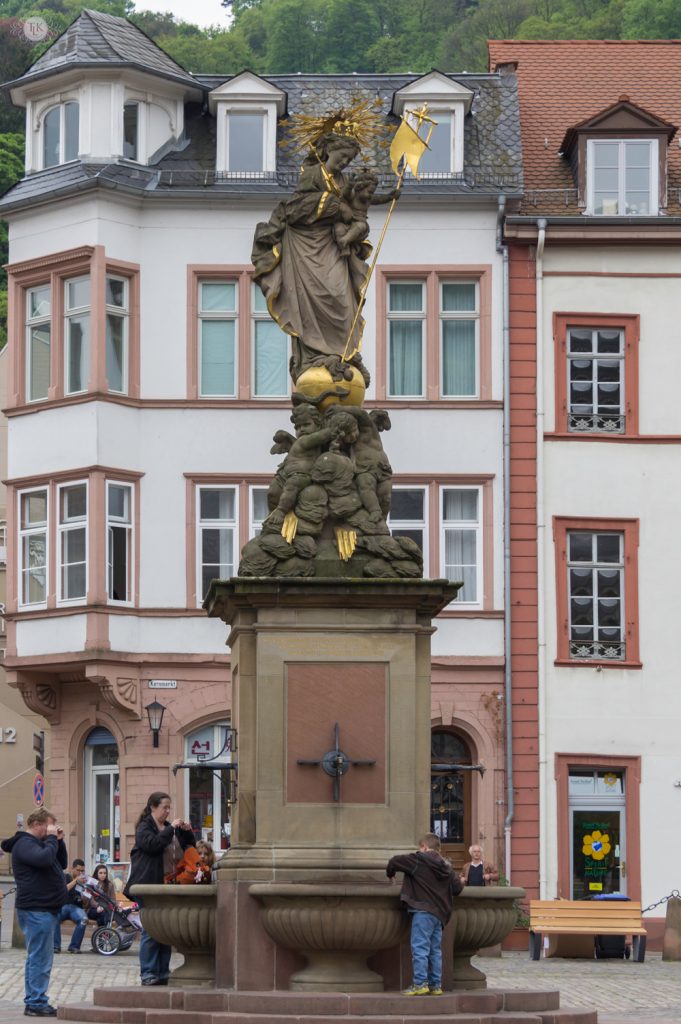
x: 259, y: 510
x: 462, y: 541
x: 130, y: 130
x: 459, y: 338
x: 38, y: 342
x: 406, y: 338
x: 33, y: 511
x: 119, y: 549
x: 216, y: 534
x: 76, y: 334
x: 408, y: 515
x: 207, y: 788
x: 622, y: 177
x: 72, y: 542
x: 439, y: 157
x: 595, y: 567
x: 595, y: 380
x: 117, y: 310
x: 270, y: 351
x: 246, y: 145
x: 218, y: 312
x: 60, y: 134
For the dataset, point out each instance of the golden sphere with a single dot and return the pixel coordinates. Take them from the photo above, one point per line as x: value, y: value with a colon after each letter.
x: 317, y: 379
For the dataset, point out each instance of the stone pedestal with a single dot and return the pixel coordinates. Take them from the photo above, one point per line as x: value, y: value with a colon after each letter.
x: 308, y: 656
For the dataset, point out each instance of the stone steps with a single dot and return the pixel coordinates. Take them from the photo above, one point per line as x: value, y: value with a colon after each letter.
x: 215, y: 1006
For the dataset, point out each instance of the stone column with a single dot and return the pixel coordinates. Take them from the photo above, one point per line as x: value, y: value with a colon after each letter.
x: 308, y: 655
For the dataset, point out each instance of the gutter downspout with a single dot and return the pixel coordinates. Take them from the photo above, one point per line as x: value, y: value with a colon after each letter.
x: 508, y: 678
x: 541, y: 560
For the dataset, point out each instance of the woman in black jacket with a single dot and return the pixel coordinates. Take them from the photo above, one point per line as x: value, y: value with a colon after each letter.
x: 158, y: 847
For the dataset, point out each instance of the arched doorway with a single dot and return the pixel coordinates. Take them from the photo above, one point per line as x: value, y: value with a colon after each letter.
x: 102, y: 798
x: 450, y: 794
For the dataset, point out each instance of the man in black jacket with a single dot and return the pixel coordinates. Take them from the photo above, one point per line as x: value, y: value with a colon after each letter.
x: 429, y: 887
x: 38, y: 860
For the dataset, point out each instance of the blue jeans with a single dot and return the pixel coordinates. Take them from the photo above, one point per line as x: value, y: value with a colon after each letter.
x: 426, y: 949
x: 70, y: 912
x: 154, y: 958
x: 38, y: 929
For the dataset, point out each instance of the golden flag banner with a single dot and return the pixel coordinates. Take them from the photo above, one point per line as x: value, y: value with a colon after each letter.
x: 408, y: 144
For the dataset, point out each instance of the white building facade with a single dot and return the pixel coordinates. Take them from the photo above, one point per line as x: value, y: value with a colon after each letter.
x: 146, y: 381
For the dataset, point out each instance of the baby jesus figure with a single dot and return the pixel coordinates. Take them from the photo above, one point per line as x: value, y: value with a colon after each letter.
x: 358, y: 195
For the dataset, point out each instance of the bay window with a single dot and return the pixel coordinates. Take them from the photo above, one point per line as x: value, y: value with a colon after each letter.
x: 72, y: 542
x: 33, y: 563
x: 117, y: 311
x: 119, y: 553
x: 38, y: 342
x: 76, y: 334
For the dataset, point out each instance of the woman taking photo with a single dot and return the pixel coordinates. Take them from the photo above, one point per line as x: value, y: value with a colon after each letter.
x: 158, y: 848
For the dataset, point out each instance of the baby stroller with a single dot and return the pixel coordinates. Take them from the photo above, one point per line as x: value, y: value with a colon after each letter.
x: 119, y: 925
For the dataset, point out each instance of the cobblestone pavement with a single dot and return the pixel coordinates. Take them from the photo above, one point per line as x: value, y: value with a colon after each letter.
x: 623, y: 992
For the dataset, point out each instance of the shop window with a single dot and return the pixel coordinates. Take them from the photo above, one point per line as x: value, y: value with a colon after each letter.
x: 598, y: 833
x: 102, y: 798
x: 207, y: 786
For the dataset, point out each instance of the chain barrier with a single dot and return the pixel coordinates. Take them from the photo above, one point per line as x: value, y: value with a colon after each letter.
x: 673, y: 895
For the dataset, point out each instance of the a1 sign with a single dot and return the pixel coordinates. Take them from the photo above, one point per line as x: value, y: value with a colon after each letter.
x: 39, y: 790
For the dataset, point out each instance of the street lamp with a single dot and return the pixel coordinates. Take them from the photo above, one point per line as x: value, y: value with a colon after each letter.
x: 155, y: 712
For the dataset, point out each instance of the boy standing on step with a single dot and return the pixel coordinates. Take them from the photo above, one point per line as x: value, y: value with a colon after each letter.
x: 429, y: 887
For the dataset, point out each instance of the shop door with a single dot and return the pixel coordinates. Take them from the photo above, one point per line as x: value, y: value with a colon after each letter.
x: 102, y: 799
x: 597, y: 835
x: 450, y: 796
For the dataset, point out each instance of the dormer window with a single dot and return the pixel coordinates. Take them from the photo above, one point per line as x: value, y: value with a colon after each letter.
x: 448, y: 104
x: 246, y: 109
x: 60, y: 134
x: 246, y: 133
x: 622, y: 177
x: 619, y: 158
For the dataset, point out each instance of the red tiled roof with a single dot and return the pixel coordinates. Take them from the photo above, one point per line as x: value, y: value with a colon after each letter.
x: 563, y: 83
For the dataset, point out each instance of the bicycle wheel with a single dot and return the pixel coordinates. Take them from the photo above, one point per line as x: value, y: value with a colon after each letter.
x: 106, y: 941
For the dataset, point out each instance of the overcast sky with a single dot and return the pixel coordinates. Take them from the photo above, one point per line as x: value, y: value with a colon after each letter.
x: 198, y: 12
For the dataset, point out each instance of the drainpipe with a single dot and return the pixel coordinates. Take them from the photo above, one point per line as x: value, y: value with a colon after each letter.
x: 508, y: 679
x: 541, y: 538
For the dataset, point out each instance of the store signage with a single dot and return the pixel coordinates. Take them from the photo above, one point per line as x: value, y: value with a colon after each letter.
x: 163, y: 684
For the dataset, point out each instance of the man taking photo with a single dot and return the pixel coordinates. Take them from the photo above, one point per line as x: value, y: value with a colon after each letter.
x: 39, y: 858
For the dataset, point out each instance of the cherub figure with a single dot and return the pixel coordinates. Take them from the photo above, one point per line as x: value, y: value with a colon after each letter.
x: 357, y: 196
x: 373, y: 473
x: 312, y: 437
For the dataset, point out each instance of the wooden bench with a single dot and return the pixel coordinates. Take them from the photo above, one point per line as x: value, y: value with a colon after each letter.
x: 583, y: 917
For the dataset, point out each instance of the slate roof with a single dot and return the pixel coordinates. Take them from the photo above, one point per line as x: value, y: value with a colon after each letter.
x: 95, y: 39
x: 492, y: 150
x: 563, y: 83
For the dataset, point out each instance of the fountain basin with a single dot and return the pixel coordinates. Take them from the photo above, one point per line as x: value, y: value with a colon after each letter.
x: 183, y: 916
